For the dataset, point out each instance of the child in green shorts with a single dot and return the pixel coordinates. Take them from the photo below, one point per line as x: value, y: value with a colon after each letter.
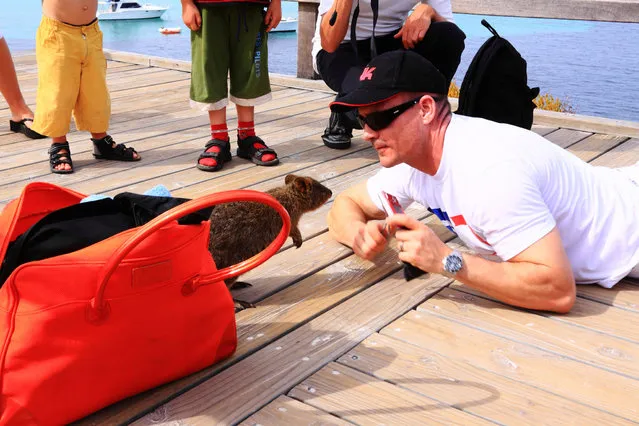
x: 230, y: 38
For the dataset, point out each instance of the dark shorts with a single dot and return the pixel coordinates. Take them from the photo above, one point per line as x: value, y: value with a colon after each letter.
x: 231, y: 42
x: 443, y: 45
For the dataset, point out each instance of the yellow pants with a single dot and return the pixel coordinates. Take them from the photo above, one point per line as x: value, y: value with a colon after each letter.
x: 71, y: 79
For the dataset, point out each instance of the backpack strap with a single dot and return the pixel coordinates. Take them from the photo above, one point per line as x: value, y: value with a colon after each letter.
x: 490, y: 28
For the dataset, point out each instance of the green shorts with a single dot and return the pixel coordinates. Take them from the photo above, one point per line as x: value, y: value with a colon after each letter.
x: 232, y: 41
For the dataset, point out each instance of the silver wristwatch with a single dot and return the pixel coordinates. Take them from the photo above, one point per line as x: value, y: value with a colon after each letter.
x: 453, y: 262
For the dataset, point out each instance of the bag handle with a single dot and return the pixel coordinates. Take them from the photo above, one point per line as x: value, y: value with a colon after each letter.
x: 98, y: 308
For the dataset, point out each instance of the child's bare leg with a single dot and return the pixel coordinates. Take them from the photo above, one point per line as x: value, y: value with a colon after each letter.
x: 219, y: 131
x: 217, y: 116
x: 245, y: 113
x: 9, y: 86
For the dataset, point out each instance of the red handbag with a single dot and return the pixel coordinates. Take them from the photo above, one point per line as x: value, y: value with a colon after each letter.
x: 83, y: 330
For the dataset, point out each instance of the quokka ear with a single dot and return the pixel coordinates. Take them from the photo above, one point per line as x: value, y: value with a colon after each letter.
x: 302, y: 184
x: 289, y: 178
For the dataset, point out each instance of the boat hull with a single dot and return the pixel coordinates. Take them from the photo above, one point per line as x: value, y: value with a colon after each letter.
x: 285, y: 26
x: 132, y: 14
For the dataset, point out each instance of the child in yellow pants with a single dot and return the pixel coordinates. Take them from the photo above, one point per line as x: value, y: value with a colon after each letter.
x: 72, y: 80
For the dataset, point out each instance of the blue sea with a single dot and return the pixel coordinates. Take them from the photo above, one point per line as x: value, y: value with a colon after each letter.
x: 593, y: 66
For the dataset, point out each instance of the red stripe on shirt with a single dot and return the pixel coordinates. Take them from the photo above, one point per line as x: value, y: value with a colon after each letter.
x: 460, y: 220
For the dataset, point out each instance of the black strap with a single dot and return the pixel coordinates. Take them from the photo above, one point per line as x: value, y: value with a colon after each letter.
x: 375, y: 8
x: 353, y: 32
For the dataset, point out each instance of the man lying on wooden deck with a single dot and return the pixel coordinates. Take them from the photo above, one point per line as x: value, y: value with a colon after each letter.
x: 539, y: 218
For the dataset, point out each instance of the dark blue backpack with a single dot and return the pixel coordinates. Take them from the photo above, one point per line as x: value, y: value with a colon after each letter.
x: 495, y: 86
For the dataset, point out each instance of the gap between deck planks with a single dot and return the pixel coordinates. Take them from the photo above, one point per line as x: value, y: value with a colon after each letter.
x: 522, y: 362
x: 464, y: 385
x: 288, y: 411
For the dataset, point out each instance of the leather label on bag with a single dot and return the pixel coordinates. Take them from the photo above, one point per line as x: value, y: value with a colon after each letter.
x: 150, y: 275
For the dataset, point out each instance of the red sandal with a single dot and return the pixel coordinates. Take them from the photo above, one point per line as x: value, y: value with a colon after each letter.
x: 221, y: 157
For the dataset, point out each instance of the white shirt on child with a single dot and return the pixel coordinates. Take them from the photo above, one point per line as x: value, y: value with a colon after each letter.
x: 501, y: 188
x: 392, y: 14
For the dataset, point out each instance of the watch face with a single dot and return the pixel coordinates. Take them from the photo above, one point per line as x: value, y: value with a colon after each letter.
x: 453, y: 263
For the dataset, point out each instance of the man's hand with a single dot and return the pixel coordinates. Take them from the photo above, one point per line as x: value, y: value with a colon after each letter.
x: 419, y: 245
x: 191, y: 15
x: 370, y: 240
x: 416, y: 25
x: 273, y: 14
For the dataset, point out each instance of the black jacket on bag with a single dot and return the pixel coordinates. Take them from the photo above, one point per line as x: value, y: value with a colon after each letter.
x: 81, y: 225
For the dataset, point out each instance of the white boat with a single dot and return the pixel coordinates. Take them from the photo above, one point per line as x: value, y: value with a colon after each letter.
x: 123, y: 9
x: 286, y: 25
x: 176, y: 30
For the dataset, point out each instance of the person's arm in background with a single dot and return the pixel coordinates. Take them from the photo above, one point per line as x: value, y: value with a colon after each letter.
x: 332, y: 35
x: 417, y: 24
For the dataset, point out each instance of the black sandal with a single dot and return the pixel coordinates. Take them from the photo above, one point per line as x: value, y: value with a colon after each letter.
x: 21, y: 127
x: 103, y: 149
x: 221, y: 157
x: 246, y: 148
x: 56, y: 158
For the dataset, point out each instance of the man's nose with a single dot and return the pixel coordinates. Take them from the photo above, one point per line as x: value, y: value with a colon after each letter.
x: 369, y: 135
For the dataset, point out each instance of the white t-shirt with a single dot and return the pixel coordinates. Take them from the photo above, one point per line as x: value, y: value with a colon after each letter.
x: 392, y: 14
x: 501, y: 188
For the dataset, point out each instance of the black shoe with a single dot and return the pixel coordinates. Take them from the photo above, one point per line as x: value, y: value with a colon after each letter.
x: 338, y: 134
x: 21, y: 127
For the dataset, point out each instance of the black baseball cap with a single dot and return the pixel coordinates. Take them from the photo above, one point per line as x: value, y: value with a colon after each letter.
x: 391, y: 73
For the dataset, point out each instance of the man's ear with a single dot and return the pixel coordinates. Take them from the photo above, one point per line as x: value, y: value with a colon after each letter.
x: 428, y: 108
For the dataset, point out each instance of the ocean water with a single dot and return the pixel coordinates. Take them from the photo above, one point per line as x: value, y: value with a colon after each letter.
x: 593, y: 66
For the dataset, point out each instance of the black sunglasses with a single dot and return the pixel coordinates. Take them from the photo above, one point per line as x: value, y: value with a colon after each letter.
x: 379, y: 120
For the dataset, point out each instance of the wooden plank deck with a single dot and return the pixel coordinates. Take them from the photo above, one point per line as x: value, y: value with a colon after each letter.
x: 335, y: 339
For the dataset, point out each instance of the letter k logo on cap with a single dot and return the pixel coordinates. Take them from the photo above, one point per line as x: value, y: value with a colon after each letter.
x: 367, y: 74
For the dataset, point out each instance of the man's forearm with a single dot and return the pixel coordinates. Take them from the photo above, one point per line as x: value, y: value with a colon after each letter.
x: 344, y: 220
x: 332, y: 35
x: 524, y: 284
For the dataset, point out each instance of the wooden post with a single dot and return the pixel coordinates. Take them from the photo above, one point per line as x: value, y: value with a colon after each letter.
x: 306, y: 20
